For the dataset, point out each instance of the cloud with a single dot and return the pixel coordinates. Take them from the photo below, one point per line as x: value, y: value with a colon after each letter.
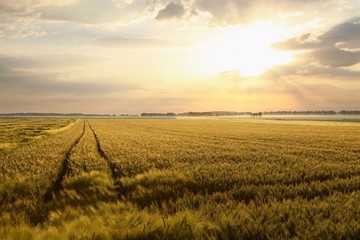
x: 28, y: 9
x: 45, y: 62
x: 172, y: 10
x: 35, y: 83
x: 112, y: 12
x: 338, y: 47
x: 89, y: 12
x: 19, y: 32
x: 328, y: 55
x: 308, y: 70
x: 136, y: 43
x: 323, y: 74
x: 45, y: 75
x: 80, y: 11
x: 21, y: 6
x: 18, y: 18
x: 225, y: 12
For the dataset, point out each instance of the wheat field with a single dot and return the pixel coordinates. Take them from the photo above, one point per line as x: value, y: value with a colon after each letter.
x: 187, y: 178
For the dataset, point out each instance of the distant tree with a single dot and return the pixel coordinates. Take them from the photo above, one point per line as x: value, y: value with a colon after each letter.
x: 259, y: 114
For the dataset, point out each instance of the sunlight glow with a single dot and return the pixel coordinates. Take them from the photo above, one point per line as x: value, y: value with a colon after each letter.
x: 246, y: 50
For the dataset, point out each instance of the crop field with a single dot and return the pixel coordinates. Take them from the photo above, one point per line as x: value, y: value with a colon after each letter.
x: 179, y: 179
x: 14, y: 132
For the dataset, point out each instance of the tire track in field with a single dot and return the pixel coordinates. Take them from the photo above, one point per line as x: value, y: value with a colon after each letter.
x: 64, y: 169
x: 111, y: 164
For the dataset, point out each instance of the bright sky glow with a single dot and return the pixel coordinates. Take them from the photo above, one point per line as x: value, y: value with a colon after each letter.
x: 133, y: 56
x: 246, y: 50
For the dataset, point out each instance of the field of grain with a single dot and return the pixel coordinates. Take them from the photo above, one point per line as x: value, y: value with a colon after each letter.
x: 180, y: 179
x: 14, y: 132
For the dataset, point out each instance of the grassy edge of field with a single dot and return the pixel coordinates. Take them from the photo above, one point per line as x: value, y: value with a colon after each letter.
x: 23, y: 194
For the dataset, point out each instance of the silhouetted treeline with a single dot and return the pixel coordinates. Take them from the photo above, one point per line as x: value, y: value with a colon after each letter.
x: 126, y: 115
x: 231, y: 113
x: 349, y: 112
x: 343, y: 112
x: 169, y: 114
x: 215, y: 113
x: 52, y: 115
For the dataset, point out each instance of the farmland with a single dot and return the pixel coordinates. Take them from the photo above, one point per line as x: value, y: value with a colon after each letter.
x: 18, y: 131
x: 179, y: 179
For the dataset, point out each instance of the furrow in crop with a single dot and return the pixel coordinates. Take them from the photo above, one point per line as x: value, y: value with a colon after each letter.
x: 57, y: 184
x: 111, y: 164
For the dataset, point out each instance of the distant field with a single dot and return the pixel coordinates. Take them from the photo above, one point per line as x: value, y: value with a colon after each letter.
x: 179, y: 179
x: 17, y: 131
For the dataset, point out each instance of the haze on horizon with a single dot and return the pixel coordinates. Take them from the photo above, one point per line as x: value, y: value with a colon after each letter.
x: 131, y: 56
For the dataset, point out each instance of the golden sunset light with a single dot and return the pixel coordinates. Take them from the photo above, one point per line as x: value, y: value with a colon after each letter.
x: 133, y: 56
x: 179, y: 119
x: 247, y: 50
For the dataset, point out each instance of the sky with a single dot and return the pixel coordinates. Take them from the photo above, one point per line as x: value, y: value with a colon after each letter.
x: 133, y: 56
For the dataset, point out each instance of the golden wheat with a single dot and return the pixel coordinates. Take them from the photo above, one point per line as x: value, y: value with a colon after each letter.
x: 183, y: 179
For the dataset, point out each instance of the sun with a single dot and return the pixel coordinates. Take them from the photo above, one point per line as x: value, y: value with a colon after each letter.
x: 246, y: 50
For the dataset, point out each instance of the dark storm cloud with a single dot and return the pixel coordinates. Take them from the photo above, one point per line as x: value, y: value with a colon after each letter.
x: 172, y: 10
